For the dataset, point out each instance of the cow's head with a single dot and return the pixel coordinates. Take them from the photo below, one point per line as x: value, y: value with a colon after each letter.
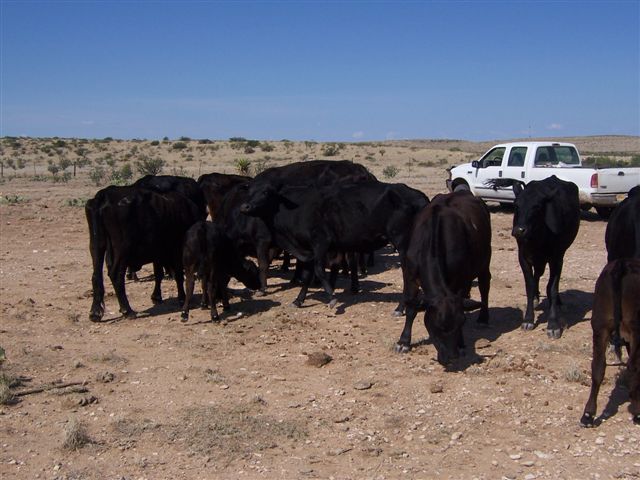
x: 262, y: 199
x: 533, y: 209
x: 247, y: 272
x: 444, y: 318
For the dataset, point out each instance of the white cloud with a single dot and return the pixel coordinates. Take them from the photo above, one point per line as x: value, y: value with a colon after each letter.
x: 555, y: 126
x: 358, y: 134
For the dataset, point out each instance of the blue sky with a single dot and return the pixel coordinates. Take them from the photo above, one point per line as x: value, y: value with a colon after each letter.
x: 320, y: 70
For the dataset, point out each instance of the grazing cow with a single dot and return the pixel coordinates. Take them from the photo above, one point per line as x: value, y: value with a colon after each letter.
x: 317, y: 223
x: 215, y: 186
x: 623, y: 229
x: 210, y: 253
x: 133, y: 226
x: 545, y: 222
x: 616, y: 308
x: 250, y: 235
x: 450, y: 246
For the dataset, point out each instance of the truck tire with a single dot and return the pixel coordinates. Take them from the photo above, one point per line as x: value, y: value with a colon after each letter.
x: 461, y: 187
x: 604, y: 212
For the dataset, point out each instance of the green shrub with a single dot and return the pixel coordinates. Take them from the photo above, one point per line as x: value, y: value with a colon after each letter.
x: 154, y: 143
x: 267, y: 147
x: 149, y: 166
x: 390, y: 171
x: 97, y: 175
x: 76, y: 202
x: 243, y: 165
x: 12, y: 199
x: 179, y: 146
x: 331, y: 149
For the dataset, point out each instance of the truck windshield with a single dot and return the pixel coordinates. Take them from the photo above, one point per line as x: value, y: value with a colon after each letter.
x: 556, y: 156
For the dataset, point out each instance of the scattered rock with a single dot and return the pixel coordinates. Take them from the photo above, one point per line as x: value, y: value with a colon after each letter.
x: 363, y: 385
x: 515, y: 456
x: 318, y: 359
x: 436, y: 388
x: 105, y: 377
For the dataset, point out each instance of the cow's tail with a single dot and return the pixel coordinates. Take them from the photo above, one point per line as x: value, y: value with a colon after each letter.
x: 202, y: 248
x: 97, y: 249
x: 617, y: 275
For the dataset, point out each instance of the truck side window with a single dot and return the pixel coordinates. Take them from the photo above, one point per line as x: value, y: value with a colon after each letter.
x: 516, y: 157
x: 493, y: 158
x: 543, y: 158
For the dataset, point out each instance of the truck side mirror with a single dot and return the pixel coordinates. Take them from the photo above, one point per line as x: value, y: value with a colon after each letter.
x: 475, y: 164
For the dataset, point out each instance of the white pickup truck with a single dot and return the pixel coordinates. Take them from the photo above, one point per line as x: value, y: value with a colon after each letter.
x: 601, y: 188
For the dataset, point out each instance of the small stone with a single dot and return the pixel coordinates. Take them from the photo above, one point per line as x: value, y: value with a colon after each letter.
x: 455, y: 436
x: 278, y: 378
x: 529, y: 476
x: 363, y: 385
x: 224, y: 387
x: 436, y: 388
x: 527, y: 463
x: 342, y: 419
x: 515, y: 456
x: 318, y: 359
x: 599, y: 441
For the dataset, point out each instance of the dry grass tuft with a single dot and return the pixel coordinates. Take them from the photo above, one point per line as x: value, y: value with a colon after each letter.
x: 233, y: 433
x: 575, y: 374
x: 75, y: 435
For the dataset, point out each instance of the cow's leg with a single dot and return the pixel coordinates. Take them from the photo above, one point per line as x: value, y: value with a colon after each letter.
x: 117, y: 274
x: 179, y: 279
x: 212, y: 288
x: 320, y: 253
x: 399, y: 311
x: 307, y: 275
x: 353, y: 267
x: 634, y: 382
x: 190, y: 275
x: 598, y: 365
x: 286, y: 261
x: 264, y: 259
x: 410, y: 294
x: 333, y: 274
x: 97, y: 283
x: 530, y: 287
x: 204, y: 285
x: 158, y: 275
x: 538, y: 271
x: 554, y: 327
x: 484, y: 284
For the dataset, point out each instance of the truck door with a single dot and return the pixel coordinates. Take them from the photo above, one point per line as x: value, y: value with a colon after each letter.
x: 490, y: 167
x: 514, y: 169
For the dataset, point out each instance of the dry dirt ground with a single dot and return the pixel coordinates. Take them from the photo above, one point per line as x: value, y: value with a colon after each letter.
x: 241, y: 399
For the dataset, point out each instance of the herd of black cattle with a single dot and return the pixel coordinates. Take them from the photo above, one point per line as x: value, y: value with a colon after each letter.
x: 334, y: 213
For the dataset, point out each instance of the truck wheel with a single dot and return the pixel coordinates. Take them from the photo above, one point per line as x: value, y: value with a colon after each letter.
x: 604, y: 212
x: 460, y: 187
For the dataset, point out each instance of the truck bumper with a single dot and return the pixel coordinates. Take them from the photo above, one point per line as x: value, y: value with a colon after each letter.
x: 607, y: 199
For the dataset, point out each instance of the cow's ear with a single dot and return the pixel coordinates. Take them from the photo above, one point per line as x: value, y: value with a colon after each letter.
x: 518, y: 187
x: 552, y: 217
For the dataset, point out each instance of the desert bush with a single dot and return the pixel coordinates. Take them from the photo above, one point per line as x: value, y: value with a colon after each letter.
x: 248, y: 149
x: 390, y: 171
x: 12, y: 199
x: 97, y: 175
x: 154, y: 143
x: 185, y: 139
x: 75, y: 435
x: 76, y: 202
x: 121, y: 176
x: 260, y: 166
x: 635, y: 161
x: 331, y: 149
x: 149, y: 166
x: 179, y: 146
x: 243, y: 165
x: 204, y: 141
x: 64, y: 178
x: 267, y: 147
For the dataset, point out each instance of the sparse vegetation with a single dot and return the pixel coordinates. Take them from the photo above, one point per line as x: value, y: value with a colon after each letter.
x: 12, y: 199
x: 243, y: 165
x: 75, y: 435
x: 390, y: 171
x: 150, y: 165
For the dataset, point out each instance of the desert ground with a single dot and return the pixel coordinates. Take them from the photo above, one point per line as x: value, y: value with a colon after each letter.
x: 249, y: 397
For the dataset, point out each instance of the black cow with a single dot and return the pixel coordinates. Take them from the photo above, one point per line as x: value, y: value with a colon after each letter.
x: 215, y: 186
x: 623, y: 230
x: 250, y: 235
x: 450, y: 246
x: 187, y: 186
x: 210, y: 253
x: 616, y: 308
x: 316, y: 172
x: 318, y: 223
x: 545, y: 222
x: 133, y: 226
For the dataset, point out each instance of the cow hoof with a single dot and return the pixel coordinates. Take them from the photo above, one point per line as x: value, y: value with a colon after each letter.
x: 184, y: 317
x: 296, y: 303
x: 636, y: 419
x: 402, y: 348
x: 587, y: 420
x: 215, y: 318
x: 156, y: 300
x: 397, y: 313
x: 95, y: 317
x: 554, y: 333
x: 259, y: 293
x: 130, y: 314
x: 528, y: 325
x: 333, y: 303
